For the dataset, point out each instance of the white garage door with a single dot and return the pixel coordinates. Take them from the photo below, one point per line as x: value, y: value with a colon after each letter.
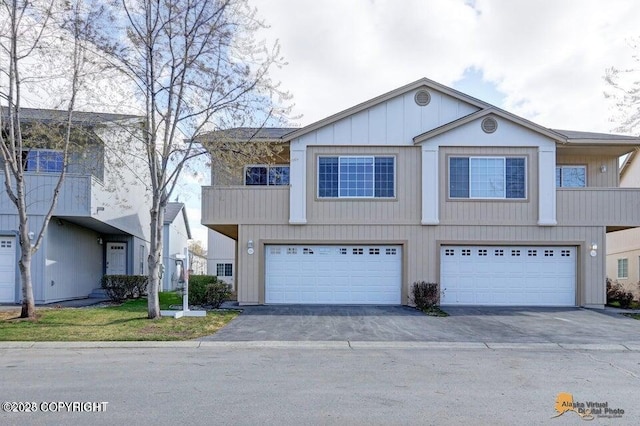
x: 333, y: 274
x: 516, y: 276
x: 7, y: 269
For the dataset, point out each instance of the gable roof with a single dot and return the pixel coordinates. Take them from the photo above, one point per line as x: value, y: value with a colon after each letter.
x: 484, y: 112
x: 423, y: 82
x: 171, y: 213
x: 47, y: 116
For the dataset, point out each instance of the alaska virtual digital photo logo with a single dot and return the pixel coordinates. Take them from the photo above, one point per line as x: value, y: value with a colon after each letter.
x: 586, y: 410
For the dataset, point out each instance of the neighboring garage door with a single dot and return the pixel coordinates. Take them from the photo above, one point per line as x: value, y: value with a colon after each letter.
x: 312, y: 274
x: 508, y: 275
x: 7, y: 269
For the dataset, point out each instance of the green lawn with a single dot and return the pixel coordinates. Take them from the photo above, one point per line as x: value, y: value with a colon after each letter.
x: 125, y: 322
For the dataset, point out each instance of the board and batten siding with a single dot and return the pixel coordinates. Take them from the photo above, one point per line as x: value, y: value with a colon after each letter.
x: 421, y: 253
x: 403, y: 209
x: 394, y: 122
x: 489, y: 212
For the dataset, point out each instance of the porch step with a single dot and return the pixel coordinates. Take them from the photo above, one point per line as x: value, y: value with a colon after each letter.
x: 98, y: 293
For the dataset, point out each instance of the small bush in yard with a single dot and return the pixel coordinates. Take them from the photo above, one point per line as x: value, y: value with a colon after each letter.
x: 216, y: 293
x: 425, y: 295
x: 617, y: 293
x: 198, y: 288
x: 122, y: 287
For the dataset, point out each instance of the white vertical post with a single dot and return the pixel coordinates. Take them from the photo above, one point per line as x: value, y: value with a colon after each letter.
x: 547, y: 186
x: 185, y: 267
x: 430, y: 185
x: 297, y: 184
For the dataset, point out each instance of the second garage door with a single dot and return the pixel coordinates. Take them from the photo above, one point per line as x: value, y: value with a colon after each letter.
x: 312, y: 274
x: 516, y: 276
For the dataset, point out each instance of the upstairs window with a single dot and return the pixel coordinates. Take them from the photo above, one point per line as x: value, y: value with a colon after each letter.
x: 266, y: 175
x: 487, y: 177
x: 571, y: 176
x: 43, y: 161
x: 356, y: 177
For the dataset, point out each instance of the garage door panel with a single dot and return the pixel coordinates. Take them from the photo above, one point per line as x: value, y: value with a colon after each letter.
x: 7, y: 269
x: 483, y: 275
x: 333, y: 274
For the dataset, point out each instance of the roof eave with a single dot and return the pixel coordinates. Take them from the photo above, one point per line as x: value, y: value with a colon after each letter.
x: 423, y: 82
x: 482, y: 113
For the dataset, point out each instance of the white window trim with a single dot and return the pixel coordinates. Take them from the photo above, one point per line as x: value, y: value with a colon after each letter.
x: 268, y: 167
x: 373, y: 197
x: 573, y: 166
x: 526, y: 180
x: 618, y: 269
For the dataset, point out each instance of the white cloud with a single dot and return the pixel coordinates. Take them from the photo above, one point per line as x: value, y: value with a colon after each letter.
x: 547, y: 56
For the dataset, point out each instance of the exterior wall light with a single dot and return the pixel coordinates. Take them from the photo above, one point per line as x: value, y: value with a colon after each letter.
x: 594, y: 250
x: 250, y: 247
x: 603, y: 168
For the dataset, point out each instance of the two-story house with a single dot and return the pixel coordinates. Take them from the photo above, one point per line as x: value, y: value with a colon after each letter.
x: 101, y: 222
x: 425, y: 183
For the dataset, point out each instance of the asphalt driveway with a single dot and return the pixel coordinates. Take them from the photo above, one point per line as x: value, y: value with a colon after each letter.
x: 401, y: 323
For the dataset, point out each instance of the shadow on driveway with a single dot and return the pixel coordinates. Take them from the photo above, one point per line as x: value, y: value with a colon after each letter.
x: 401, y: 323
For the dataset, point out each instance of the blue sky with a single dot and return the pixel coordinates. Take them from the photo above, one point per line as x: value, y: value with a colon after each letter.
x: 544, y: 60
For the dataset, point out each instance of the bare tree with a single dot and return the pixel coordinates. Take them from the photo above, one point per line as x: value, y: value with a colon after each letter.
x: 31, y: 30
x: 624, y: 86
x: 196, y: 66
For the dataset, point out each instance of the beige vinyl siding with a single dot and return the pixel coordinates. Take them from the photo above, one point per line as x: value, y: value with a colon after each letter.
x: 403, y: 209
x: 245, y: 204
x: 421, y: 249
x: 598, y: 206
x: 489, y: 212
x: 595, y: 178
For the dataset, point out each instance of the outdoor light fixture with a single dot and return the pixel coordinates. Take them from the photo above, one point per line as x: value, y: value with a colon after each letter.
x: 31, y: 235
x: 99, y: 240
x: 603, y: 168
x: 250, y: 247
x: 594, y: 250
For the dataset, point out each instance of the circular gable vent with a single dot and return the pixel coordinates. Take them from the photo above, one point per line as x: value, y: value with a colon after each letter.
x: 489, y: 125
x: 422, y: 97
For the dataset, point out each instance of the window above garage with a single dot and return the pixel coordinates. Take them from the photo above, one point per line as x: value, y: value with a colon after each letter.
x: 356, y: 177
x: 487, y: 178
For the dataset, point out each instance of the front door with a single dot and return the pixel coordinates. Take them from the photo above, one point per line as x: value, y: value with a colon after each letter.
x: 116, y: 258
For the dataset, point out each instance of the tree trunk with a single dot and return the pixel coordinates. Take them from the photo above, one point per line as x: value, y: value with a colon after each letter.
x: 28, y: 305
x: 155, y: 261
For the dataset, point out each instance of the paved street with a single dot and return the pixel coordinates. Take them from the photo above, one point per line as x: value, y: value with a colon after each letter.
x: 319, y: 383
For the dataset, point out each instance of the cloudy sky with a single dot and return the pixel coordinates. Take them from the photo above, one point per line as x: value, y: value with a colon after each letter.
x: 543, y: 60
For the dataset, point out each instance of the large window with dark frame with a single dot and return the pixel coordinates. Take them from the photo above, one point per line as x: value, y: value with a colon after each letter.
x: 224, y: 269
x: 266, y: 175
x: 487, y: 177
x: 44, y: 161
x: 356, y: 177
x: 571, y: 176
